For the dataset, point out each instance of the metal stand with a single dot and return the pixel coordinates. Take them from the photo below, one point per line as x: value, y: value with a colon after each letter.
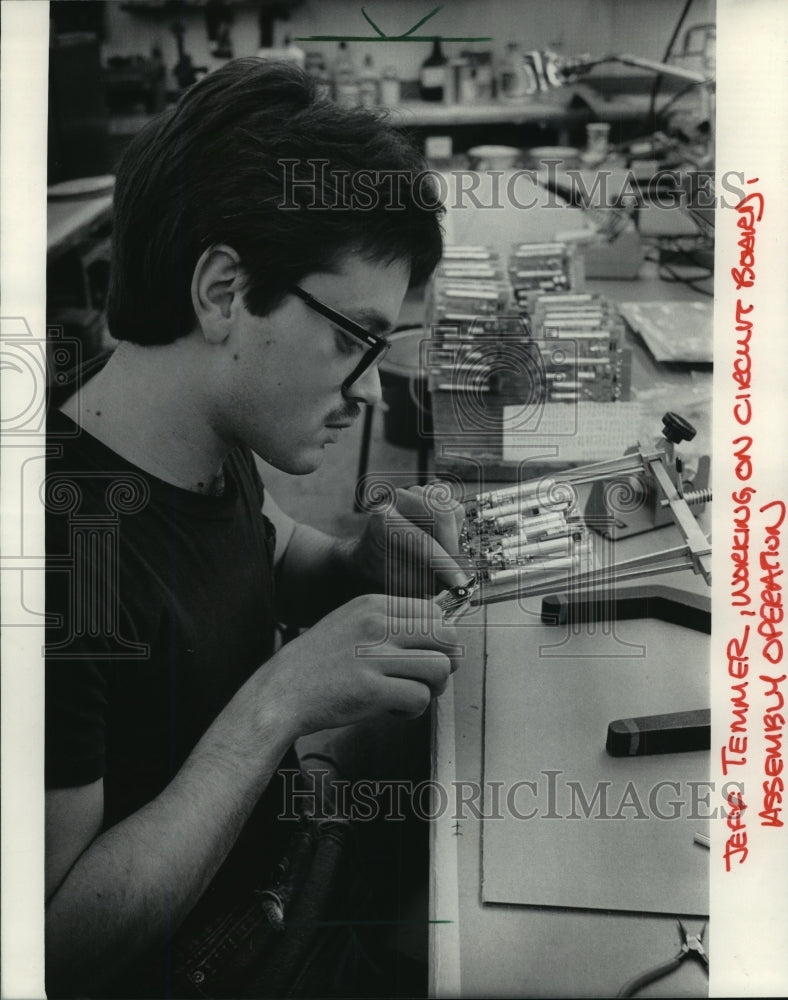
x: 651, y: 600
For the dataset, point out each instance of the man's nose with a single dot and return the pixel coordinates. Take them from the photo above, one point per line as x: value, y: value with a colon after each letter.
x: 367, y: 388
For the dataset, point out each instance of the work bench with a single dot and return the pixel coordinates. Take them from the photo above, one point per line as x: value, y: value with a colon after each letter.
x: 537, y: 887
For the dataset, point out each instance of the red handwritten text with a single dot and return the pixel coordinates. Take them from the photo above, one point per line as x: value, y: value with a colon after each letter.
x: 743, y: 458
x: 742, y: 364
x: 734, y: 752
x: 771, y: 612
x: 736, y: 844
x: 750, y: 210
x: 773, y: 723
x: 740, y: 549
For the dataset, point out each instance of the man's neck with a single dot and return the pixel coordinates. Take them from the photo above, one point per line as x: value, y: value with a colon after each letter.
x: 146, y: 404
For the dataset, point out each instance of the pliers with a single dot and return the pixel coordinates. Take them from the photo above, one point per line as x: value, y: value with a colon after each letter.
x: 691, y: 945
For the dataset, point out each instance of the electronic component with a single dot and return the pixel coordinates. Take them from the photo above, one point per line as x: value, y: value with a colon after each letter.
x: 455, y: 600
x: 522, y: 534
x: 539, y: 268
x: 531, y: 538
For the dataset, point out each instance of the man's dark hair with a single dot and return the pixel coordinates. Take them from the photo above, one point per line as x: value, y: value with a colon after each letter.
x: 224, y: 166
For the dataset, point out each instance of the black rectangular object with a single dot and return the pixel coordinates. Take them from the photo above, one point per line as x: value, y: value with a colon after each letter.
x: 675, y: 732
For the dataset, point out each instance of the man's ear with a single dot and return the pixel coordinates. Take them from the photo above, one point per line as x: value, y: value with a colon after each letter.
x: 216, y: 284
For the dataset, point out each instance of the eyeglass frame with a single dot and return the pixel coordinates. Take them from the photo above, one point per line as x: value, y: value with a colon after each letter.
x: 378, y: 346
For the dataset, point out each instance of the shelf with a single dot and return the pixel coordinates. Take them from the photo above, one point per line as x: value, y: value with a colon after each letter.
x: 538, y: 110
x: 166, y: 8
x: 421, y: 113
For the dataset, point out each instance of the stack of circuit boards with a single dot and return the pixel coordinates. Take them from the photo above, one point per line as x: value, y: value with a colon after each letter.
x: 581, y: 338
x: 538, y: 269
x: 471, y: 315
x: 518, y: 331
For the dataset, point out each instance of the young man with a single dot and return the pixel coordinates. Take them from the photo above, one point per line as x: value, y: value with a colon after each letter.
x: 252, y: 287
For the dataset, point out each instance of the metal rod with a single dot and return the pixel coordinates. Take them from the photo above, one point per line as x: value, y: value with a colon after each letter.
x: 653, y: 564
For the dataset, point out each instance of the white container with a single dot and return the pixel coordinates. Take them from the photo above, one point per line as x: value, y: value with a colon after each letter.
x: 389, y: 87
x: 493, y: 157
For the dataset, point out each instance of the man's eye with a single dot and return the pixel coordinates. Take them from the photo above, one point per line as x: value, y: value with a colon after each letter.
x: 345, y: 343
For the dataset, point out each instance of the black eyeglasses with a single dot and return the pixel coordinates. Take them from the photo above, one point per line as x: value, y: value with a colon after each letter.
x: 378, y: 347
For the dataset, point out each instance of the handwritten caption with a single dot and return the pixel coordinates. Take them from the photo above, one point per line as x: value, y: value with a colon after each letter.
x: 755, y: 582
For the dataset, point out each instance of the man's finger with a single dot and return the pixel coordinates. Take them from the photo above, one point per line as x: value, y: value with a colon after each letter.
x: 447, y: 568
x: 433, y: 670
x: 434, y: 635
x: 459, y: 517
x: 424, y: 566
x: 442, y: 527
x: 414, y: 609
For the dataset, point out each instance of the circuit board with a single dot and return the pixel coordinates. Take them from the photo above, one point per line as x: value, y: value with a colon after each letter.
x: 526, y: 534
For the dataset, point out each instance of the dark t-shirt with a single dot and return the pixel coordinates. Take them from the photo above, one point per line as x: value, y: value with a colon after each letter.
x: 160, y: 606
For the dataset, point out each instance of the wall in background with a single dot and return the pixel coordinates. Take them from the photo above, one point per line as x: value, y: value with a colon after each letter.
x: 598, y: 27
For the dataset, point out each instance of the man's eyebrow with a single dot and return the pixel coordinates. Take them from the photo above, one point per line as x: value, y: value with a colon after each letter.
x: 371, y: 320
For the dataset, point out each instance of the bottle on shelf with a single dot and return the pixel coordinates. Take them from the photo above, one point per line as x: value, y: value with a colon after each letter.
x: 346, y: 90
x: 389, y: 87
x: 432, y: 76
x: 468, y: 92
x: 316, y: 68
x: 287, y: 52
x: 343, y: 63
x: 485, y: 77
x: 368, y: 84
x: 515, y: 77
x: 293, y: 53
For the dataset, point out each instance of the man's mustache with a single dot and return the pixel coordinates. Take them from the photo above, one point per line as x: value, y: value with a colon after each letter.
x: 346, y: 415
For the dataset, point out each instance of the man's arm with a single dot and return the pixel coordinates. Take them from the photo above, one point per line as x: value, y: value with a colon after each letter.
x: 113, y: 897
x: 313, y: 570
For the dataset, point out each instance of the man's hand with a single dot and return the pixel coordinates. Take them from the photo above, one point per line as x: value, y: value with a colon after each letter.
x: 374, y: 655
x: 408, y: 549
x: 412, y: 547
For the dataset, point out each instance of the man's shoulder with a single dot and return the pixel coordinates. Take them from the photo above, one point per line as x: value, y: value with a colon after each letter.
x: 84, y: 476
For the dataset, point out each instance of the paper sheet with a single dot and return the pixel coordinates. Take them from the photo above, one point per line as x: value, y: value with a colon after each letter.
x: 545, y: 722
x: 583, y: 432
x: 674, y: 331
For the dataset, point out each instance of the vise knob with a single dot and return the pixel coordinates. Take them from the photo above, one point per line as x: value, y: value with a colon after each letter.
x: 676, y: 428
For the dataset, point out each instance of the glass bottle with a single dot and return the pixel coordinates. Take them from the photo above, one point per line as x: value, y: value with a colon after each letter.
x: 513, y: 82
x: 323, y: 86
x: 485, y: 78
x: 293, y: 53
x: 368, y: 84
x: 389, y: 87
x: 346, y: 91
x: 432, y: 77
